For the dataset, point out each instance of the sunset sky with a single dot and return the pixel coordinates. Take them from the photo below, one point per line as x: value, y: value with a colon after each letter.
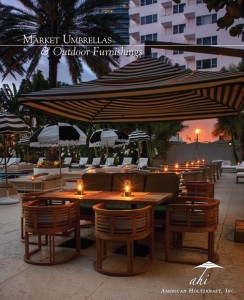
x: 205, y: 127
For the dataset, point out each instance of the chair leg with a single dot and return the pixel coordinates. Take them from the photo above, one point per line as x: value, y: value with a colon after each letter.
x: 167, y: 244
x: 130, y: 256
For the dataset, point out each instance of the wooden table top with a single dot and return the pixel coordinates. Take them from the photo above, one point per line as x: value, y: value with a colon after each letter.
x: 146, y: 198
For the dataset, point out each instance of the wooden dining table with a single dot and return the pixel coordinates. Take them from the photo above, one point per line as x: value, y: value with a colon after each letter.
x: 145, y: 198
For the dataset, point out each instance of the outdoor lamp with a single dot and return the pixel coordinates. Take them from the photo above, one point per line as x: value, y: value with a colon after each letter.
x: 165, y: 168
x: 32, y: 178
x: 187, y: 164
x: 80, y: 187
x: 176, y: 166
x: 127, y: 188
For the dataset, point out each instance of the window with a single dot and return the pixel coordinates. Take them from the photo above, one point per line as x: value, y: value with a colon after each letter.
x: 149, y: 37
x: 149, y: 19
x: 176, y: 52
x: 209, y: 40
x: 207, y: 19
x: 154, y: 55
x: 206, y: 63
x: 177, y: 9
x: 178, y: 28
x: 199, y: 1
x: 148, y: 2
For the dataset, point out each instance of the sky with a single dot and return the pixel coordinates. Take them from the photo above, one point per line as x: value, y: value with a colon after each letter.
x: 188, y: 135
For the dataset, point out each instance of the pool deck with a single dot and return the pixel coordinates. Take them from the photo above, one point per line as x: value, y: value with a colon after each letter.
x: 77, y: 280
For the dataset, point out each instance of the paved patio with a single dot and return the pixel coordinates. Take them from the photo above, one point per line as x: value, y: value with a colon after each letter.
x: 78, y: 280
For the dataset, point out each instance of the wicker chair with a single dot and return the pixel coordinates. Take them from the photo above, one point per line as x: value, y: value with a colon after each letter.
x: 192, y: 214
x: 200, y: 188
x: 122, y: 225
x: 49, y: 220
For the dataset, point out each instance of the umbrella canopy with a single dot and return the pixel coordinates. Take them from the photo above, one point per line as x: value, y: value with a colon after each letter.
x: 109, y: 138
x: 24, y: 141
x: 145, y: 90
x: 138, y: 135
x: 9, y: 124
x: 55, y: 135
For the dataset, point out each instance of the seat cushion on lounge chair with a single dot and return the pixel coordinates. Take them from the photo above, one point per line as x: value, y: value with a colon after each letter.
x: 40, y: 174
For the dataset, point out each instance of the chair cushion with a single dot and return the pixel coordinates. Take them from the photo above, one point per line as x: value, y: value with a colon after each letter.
x: 162, y: 183
x: 97, y: 181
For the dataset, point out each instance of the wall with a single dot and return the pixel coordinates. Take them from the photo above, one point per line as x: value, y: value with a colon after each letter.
x: 209, y: 151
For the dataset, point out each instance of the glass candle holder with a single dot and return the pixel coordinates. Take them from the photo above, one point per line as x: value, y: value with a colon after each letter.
x: 80, y: 187
x: 127, y: 188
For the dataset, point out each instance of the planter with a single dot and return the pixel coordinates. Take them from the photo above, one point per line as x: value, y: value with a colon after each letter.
x: 50, y: 171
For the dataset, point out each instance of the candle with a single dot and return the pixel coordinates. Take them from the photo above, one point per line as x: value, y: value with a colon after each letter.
x: 80, y: 187
x: 127, y: 188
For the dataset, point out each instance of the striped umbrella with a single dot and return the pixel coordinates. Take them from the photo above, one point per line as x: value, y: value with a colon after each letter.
x: 24, y: 141
x: 145, y: 90
x: 9, y: 124
x: 108, y: 137
x: 58, y: 135
x: 138, y: 136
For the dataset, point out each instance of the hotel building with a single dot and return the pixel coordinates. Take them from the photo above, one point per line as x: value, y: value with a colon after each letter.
x: 189, y: 22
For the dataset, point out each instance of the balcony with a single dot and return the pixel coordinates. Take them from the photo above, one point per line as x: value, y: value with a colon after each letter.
x: 134, y: 32
x: 189, y: 11
x: 189, y: 32
x: 135, y: 17
x: 166, y: 3
x: 166, y: 20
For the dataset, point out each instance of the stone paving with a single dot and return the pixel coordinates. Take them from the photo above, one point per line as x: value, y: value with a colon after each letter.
x: 77, y: 279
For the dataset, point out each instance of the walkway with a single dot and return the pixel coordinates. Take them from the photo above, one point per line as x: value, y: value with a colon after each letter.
x: 77, y: 280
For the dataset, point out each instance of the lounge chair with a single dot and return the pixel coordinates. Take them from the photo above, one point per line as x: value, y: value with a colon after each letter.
x: 81, y: 164
x: 109, y: 162
x: 142, y: 162
x: 40, y: 160
x: 13, y: 161
x: 67, y: 161
x: 126, y: 161
x: 240, y: 168
x: 95, y: 162
x: 226, y: 166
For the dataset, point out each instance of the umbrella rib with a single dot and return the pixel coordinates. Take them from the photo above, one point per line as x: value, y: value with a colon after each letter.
x: 101, y: 109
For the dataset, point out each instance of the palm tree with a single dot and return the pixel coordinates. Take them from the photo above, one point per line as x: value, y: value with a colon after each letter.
x: 231, y: 128
x: 27, y: 35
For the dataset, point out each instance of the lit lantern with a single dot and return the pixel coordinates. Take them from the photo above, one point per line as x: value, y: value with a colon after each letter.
x: 127, y: 188
x: 203, y: 160
x: 80, y: 187
x: 32, y: 178
x: 166, y: 169
x: 187, y: 164
x: 176, y: 166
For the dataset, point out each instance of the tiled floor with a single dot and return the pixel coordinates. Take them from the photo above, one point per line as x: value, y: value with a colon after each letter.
x: 78, y: 280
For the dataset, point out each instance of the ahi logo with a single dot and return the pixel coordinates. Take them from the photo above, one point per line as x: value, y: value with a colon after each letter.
x: 203, y: 279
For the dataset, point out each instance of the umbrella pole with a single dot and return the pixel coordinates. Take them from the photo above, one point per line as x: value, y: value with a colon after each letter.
x: 5, y: 164
x: 139, y: 152
x: 60, y: 167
